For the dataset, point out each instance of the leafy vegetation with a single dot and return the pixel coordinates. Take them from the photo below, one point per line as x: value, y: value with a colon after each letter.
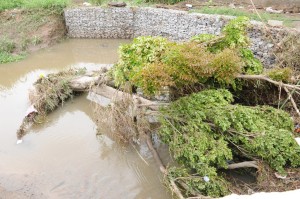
x: 205, y: 131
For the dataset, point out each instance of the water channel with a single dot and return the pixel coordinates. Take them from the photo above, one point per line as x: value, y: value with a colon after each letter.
x: 63, y: 157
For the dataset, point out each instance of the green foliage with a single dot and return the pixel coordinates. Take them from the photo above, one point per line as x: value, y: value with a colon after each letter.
x: 280, y: 74
x: 252, y: 66
x: 133, y: 57
x: 235, y: 33
x: 234, y: 36
x: 205, y: 130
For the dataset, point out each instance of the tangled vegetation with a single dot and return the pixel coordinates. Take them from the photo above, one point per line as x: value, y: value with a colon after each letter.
x: 211, y: 131
x: 53, y: 90
x: 288, y: 52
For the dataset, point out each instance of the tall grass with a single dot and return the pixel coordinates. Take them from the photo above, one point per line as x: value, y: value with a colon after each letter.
x: 33, y: 4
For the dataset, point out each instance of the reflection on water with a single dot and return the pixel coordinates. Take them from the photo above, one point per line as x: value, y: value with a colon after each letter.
x: 63, y: 158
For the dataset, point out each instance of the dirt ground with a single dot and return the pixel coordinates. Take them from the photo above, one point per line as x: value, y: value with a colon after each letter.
x: 290, y: 10
x: 5, y: 194
x: 31, y: 30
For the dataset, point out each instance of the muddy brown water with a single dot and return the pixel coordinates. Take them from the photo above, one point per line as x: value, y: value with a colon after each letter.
x: 63, y: 158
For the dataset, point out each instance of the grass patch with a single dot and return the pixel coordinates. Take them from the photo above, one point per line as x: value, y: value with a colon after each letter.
x: 236, y: 12
x: 33, y: 4
x: 7, y: 46
x: 7, y: 57
x: 128, y: 2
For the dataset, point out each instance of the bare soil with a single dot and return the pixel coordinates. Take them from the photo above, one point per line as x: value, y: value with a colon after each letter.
x: 31, y: 30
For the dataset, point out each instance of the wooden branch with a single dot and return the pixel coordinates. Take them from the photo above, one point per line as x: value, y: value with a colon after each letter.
x: 83, y: 83
x: 292, y: 100
x: 162, y: 168
x: 243, y: 165
x: 113, y: 93
x: 265, y: 78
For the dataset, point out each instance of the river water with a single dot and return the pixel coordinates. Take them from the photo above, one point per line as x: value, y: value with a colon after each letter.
x: 63, y: 157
